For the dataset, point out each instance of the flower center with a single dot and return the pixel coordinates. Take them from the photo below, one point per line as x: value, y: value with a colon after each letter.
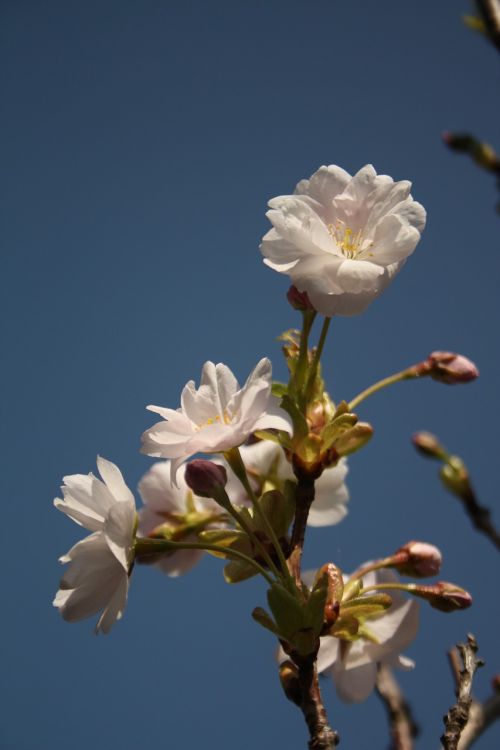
x: 349, y: 242
x: 225, y: 419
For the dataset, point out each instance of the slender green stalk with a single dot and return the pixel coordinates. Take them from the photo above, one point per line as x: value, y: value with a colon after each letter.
x: 235, y: 461
x: 241, y: 521
x: 301, y: 368
x: 317, y: 356
x: 396, y: 378
x: 408, y: 587
x: 154, y: 546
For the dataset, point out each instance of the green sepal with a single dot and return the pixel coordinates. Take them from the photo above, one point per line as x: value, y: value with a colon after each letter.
x: 236, y: 571
x: 337, y: 427
x: 263, y: 618
x: 279, y: 389
x: 367, y: 606
x: 346, y: 628
x: 300, y: 427
x: 342, y: 408
x: 352, y: 589
x: 280, y: 437
x: 354, y: 439
x: 224, y: 538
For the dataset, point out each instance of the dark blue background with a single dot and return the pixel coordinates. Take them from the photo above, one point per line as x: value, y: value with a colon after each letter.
x: 140, y: 143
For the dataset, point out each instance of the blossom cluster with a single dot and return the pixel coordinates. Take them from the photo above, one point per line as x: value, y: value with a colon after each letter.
x: 280, y: 457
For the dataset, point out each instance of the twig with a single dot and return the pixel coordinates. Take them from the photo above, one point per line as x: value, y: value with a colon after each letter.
x: 481, y: 716
x: 304, y: 496
x: 480, y: 516
x: 401, y: 722
x: 458, y: 716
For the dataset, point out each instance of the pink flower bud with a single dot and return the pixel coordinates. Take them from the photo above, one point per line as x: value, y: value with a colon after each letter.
x: 418, y: 559
x: 205, y: 478
x: 450, y: 368
x: 444, y: 596
x: 298, y: 300
x: 428, y: 445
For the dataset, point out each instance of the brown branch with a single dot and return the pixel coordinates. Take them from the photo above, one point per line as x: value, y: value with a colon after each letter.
x: 309, y: 700
x: 304, y: 496
x: 401, y: 722
x: 458, y: 716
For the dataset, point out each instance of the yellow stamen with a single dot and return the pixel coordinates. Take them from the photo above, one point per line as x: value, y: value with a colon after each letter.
x: 350, y: 243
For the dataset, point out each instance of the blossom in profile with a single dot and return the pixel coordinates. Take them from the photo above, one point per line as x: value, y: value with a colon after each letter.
x: 353, y: 664
x: 342, y: 239
x: 175, y: 508
x: 216, y: 417
x: 99, y: 566
x: 268, y: 468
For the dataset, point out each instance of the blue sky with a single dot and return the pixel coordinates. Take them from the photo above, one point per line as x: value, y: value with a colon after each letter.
x: 140, y: 144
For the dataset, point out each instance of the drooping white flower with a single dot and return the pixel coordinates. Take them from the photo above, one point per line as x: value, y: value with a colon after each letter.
x: 266, y: 461
x: 216, y: 417
x: 342, y: 239
x: 353, y: 664
x: 97, y: 578
x: 165, y: 502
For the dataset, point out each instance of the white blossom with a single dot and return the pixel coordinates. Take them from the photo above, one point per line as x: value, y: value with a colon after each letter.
x: 98, y: 574
x: 216, y: 417
x: 353, y: 664
x: 266, y: 461
x: 342, y: 239
x: 165, y: 502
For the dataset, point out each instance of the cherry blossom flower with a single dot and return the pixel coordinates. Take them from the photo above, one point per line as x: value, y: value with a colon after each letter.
x: 175, y: 506
x: 98, y: 575
x: 353, y: 664
x: 342, y: 239
x: 265, y: 462
x: 216, y: 417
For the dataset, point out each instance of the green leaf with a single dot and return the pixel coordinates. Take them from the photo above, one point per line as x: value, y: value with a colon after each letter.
x: 315, y: 610
x: 278, y: 510
x: 236, y: 571
x: 263, y: 618
x: 287, y: 610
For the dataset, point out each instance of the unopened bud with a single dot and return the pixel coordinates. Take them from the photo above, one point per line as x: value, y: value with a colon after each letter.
x: 417, y: 559
x: 289, y: 678
x: 205, y: 478
x: 428, y: 445
x: 455, y: 477
x: 450, y: 368
x: 353, y: 439
x: 298, y: 300
x: 447, y: 597
x: 335, y: 590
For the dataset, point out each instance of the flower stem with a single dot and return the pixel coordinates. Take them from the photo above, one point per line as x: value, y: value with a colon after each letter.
x: 146, y: 546
x: 317, y: 356
x: 233, y: 457
x: 300, y: 374
x: 396, y: 378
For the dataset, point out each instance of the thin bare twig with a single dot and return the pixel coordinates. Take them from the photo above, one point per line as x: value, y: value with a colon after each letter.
x: 458, y: 716
x: 401, y: 722
x: 481, y: 716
